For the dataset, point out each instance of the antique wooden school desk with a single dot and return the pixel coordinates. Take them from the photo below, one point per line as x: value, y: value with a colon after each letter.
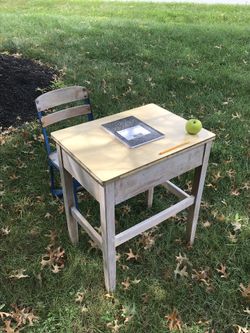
x: 113, y: 173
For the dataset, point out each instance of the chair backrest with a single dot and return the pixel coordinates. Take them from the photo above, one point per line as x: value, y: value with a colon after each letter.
x: 60, y: 97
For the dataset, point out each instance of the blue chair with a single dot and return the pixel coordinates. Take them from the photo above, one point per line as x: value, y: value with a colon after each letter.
x: 47, y: 116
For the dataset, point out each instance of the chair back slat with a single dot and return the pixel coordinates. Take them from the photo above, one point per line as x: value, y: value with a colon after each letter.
x: 55, y: 117
x: 60, y: 96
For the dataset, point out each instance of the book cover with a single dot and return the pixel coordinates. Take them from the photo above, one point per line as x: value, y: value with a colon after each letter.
x: 132, y: 131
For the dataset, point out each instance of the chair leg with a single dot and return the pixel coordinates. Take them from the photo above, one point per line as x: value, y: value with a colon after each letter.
x: 56, y: 192
x: 75, y: 186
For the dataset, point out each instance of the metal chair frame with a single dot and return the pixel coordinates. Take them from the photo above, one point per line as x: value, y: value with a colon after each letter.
x: 48, y: 101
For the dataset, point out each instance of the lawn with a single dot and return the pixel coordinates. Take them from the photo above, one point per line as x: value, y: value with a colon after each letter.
x: 191, y: 59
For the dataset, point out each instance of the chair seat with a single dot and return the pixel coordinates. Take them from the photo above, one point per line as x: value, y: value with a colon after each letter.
x: 54, y: 159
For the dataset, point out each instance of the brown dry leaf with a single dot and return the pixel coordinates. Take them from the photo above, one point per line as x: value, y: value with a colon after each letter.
x: 117, y: 256
x: 54, y: 258
x: 232, y: 237
x: 237, y: 226
x: 216, y: 176
x: 18, y: 274
x: 93, y: 244
x: 202, y: 276
x: 125, y: 210
x: 114, y: 326
x: 124, y: 267
x: 241, y: 329
x: 206, y: 224
x: 47, y: 215
x: 245, y: 291
x: 52, y: 236
x: 84, y: 309
x: 20, y: 317
x: 4, y: 314
x: 174, y: 321
x: 8, y: 328
x: 136, y: 281
x: 147, y: 239
x: 183, y: 259
x: 14, y: 177
x: 24, y: 316
x: 79, y: 297
x: 182, y: 272
x: 126, y: 284
x: 108, y: 295
x: 222, y: 271
x: 5, y: 231
x: 39, y: 199
x: 236, y: 116
x: 246, y: 186
x: 247, y: 310
x: 131, y: 255
x: 60, y: 209
x: 231, y: 173
x: 235, y: 192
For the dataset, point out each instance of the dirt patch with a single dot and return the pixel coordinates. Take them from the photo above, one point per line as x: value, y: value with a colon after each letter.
x: 20, y: 83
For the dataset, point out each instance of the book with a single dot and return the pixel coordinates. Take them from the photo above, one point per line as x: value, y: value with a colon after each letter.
x: 132, y: 131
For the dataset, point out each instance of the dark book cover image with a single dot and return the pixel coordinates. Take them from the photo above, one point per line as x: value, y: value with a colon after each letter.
x: 132, y: 131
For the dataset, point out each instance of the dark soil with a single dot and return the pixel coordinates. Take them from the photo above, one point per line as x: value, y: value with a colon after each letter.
x: 19, y: 82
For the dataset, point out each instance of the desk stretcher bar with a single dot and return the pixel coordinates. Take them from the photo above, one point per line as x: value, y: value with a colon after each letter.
x: 141, y: 227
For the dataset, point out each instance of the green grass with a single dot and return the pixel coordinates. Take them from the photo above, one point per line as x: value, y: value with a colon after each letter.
x: 193, y: 60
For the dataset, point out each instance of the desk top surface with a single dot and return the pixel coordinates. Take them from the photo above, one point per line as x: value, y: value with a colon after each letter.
x: 106, y: 158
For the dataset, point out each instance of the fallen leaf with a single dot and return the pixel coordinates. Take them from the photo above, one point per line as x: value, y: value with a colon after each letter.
x: 182, y: 272
x: 237, y: 226
x: 93, y: 244
x: 241, y: 329
x: 206, y: 224
x: 79, y: 297
x: 222, y: 271
x: 245, y: 291
x: 5, y: 231
x: 8, y: 328
x: 18, y: 274
x: 183, y: 259
x: 232, y: 237
x: 236, y: 116
x: 54, y: 258
x: 246, y: 186
x: 131, y: 255
x: 108, y: 295
x: 174, y: 321
x: 4, y: 314
x: 125, y: 210
x: 114, y: 326
x: 235, y: 192
x: 147, y: 239
x: 126, y: 284
x: 247, y: 310
x: 117, y: 256
x: 202, y: 276
x: 84, y: 309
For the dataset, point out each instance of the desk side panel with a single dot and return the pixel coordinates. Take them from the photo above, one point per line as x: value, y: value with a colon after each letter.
x: 158, y: 173
x: 83, y: 177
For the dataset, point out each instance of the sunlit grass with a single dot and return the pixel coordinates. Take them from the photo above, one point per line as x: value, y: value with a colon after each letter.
x: 192, y: 60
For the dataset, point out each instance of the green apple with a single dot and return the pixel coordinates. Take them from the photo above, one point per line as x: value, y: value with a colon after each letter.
x: 193, y: 126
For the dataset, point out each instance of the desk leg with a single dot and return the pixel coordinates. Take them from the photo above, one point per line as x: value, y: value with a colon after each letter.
x: 68, y: 197
x: 107, y: 214
x: 150, y: 197
x: 198, y: 185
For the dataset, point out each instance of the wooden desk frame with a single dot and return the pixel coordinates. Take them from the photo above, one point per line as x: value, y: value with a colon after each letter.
x: 113, y: 192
